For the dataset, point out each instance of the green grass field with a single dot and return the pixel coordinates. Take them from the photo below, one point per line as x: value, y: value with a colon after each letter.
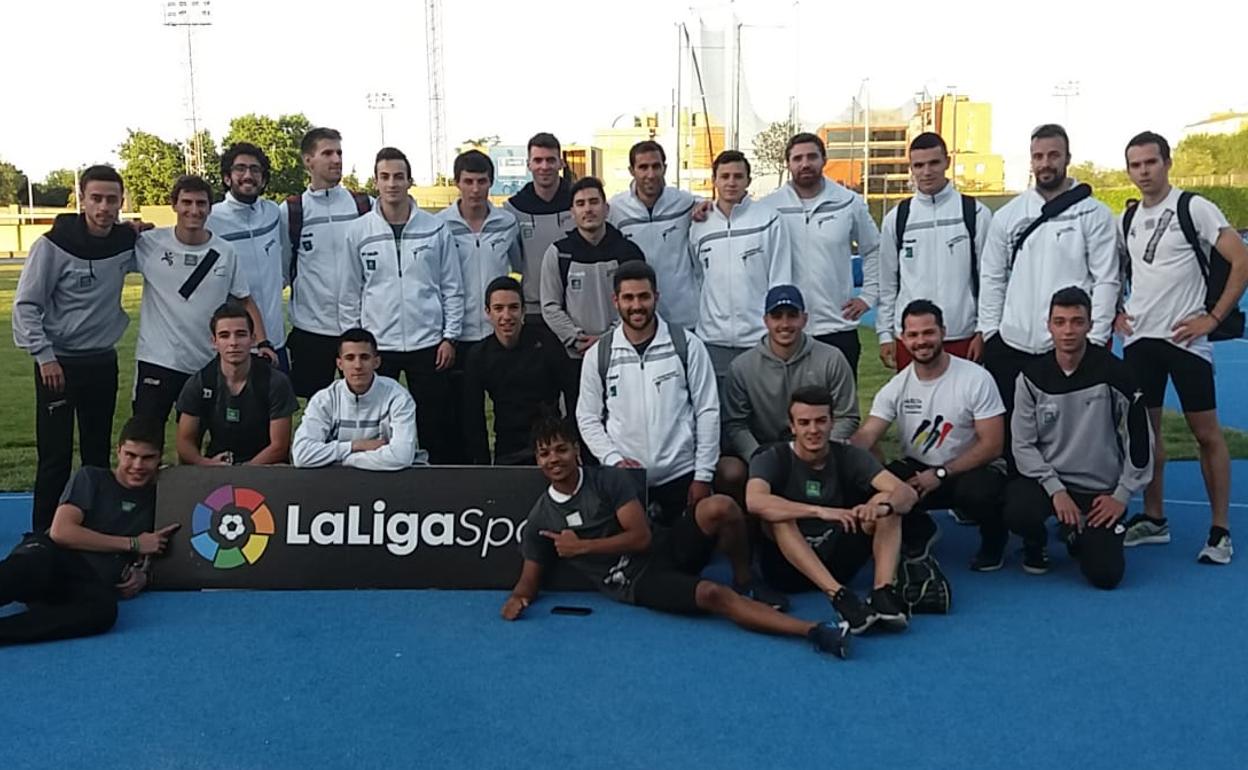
x: 17, y: 417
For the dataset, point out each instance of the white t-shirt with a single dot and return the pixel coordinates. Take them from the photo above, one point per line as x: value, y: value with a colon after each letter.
x: 1166, y: 283
x: 173, y: 331
x: 936, y: 418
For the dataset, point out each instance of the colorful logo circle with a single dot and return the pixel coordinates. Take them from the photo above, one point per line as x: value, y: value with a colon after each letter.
x: 231, y: 527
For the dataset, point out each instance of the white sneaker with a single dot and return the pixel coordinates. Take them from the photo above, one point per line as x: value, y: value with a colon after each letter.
x: 1218, y: 550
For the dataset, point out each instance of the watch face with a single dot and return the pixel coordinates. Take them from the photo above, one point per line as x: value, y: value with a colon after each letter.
x: 941, y: 473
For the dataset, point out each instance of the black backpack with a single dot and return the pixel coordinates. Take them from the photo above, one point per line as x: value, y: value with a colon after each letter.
x: 1213, y: 266
x: 679, y: 341
x: 257, y: 392
x: 1049, y: 211
x: 968, y: 219
x: 294, y: 230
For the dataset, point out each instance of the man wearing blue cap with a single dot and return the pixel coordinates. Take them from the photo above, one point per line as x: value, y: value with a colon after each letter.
x: 760, y: 381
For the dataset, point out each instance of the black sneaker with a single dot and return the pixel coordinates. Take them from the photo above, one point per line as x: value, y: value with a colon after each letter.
x: 1069, y: 536
x: 831, y: 637
x: 888, y: 609
x: 1035, y: 559
x: 991, y: 554
x: 853, y: 611
x: 761, y: 592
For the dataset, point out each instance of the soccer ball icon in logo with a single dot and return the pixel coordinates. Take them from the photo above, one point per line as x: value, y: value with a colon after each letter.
x: 231, y: 527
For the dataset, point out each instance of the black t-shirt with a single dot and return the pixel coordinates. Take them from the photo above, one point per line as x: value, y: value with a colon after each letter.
x: 521, y: 382
x: 591, y: 514
x: 238, y: 424
x: 843, y: 482
x: 110, y: 509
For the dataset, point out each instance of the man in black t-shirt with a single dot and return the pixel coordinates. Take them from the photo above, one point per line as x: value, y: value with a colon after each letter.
x: 97, y: 548
x: 591, y: 518
x: 520, y: 369
x: 826, y: 509
x: 242, y: 404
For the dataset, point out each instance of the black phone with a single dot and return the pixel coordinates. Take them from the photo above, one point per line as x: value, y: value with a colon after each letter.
x: 564, y: 609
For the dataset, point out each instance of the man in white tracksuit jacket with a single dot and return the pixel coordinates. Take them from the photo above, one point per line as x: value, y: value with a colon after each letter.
x: 1078, y: 247
x: 363, y: 420
x: 403, y: 283
x: 739, y: 252
x: 935, y: 258
x: 658, y: 410
x: 656, y: 217
x: 824, y: 222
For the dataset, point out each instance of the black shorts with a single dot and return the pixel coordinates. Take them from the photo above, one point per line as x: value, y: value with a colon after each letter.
x: 313, y: 361
x: 670, y: 582
x: 667, y: 502
x: 156, y: 390
x: 843, y: 553
x: 1153, y: 360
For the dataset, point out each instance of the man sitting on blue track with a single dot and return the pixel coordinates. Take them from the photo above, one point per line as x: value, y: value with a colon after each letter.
x: 97, y: 549
x: 592, y: 518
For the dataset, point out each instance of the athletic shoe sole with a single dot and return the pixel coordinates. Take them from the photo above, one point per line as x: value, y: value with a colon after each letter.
x: 988, y: 567
x: 1147, y: 540
x: 1210, y: 556
x: 1031, y: 570
x: 892, y: 622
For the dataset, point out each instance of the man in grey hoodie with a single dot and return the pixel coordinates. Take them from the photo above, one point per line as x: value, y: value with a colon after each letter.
x: 67, y: 314
x: 756, y: 395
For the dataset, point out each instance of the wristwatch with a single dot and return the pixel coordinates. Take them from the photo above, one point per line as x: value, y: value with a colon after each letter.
x: 942, y: 473
x: 264, y: 345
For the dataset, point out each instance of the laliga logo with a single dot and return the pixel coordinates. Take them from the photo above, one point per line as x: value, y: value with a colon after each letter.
x: 231, y: 527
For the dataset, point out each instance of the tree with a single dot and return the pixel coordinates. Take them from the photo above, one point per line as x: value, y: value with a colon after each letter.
x: 12, y: 183
x: 1099, y: 177
x: 150, y: 166
x: 57, y: 189
x: 279, y: 138
x: 769, y: 147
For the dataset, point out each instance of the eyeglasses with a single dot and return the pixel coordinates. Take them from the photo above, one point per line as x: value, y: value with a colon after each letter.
x: 243, y: 168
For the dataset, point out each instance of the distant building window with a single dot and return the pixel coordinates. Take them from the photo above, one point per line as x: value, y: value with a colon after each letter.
x: 980, y: 168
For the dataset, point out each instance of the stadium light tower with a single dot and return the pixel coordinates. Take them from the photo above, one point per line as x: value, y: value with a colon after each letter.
x: 191, y: 14
x: 1065, y: 91
x: 381, y: 101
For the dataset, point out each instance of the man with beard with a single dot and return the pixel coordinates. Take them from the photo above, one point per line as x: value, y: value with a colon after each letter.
x: 252, y: 225
x: 67, y: 314
x: 929, y: 247
x: 950, y: 427
x: 313, y: 232
x: 656, y: 218
x: 543, y: 210
x: 1051, y: 236
x: 825, y: 222
x: 652, y: 404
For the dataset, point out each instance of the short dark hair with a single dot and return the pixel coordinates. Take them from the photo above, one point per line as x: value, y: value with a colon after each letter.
x: 1071, y: 296
x: 922, y: 307
x: 357, y: 334
x: 549, y: 427
x: 231, y: 309
x: 641, y: 148
x: 99, y: 173
x: 473, y: 161
x: 545, y: 140
x: 1051, y: 131
x: 729, y: 156
x: 929, y: 140
x: 1145, y: 138
x: 588, y: 183
x: 634, y: 270
x: 190, y: 183
x: 310, y: 139
x: 143, y: 429
x: 805, y: 137
x: 245, y: 148
x: 811, y: 395
x: 392, y: 153
x: 502, y: 283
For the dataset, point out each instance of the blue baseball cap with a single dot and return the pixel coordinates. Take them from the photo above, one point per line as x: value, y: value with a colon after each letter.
x: 784, y: 295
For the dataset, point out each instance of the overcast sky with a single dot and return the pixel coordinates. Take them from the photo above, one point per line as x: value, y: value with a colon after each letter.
x: 79, y: 73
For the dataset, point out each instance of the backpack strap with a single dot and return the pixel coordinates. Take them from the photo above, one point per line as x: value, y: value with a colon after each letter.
x: 197, y: 276
x: 294, y: 229
x: 970, y: 220
x: 899, y: 226
x: 784, y: 466
x: 209, y: 381
x: 1189, y: 231
x: 1048, y: 211
x: 1128, y: 216
x: 362, y: 204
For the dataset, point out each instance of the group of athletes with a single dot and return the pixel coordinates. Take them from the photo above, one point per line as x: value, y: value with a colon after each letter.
x: 712, y: 345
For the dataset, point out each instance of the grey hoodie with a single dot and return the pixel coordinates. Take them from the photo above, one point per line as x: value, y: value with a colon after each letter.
x: 68, y: 300
x: 756, y: 397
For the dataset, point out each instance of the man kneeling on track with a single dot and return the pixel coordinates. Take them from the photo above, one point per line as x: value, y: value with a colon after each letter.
x: 592, y: 518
